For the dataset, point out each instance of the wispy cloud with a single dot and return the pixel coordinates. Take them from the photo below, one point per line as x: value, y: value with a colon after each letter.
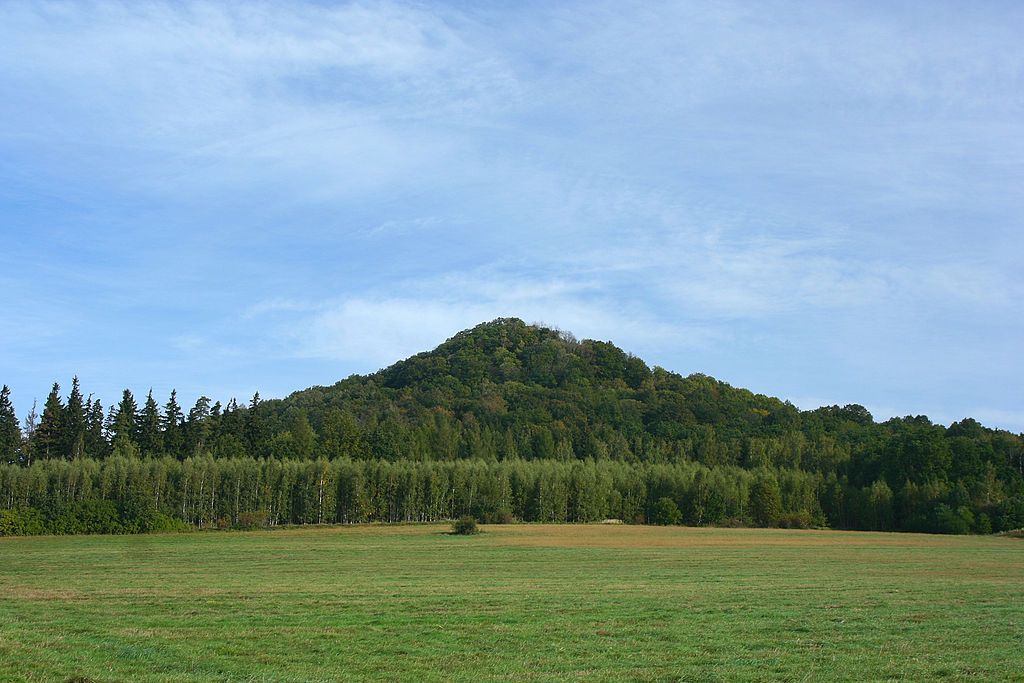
x: 811, y: 199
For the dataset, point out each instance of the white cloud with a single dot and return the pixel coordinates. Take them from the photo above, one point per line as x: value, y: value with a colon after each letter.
x: 375, y: 329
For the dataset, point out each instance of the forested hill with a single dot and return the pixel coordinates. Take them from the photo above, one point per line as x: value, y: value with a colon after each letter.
x: 509, y: 420
x: 506, y: 390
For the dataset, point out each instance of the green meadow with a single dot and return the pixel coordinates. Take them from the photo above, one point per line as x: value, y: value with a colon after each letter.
x: 520, y: 602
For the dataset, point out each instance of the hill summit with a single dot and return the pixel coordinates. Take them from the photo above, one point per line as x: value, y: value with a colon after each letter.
x: 508, y: 389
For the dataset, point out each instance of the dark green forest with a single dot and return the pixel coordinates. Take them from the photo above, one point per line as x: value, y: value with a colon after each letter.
x: 503, y: 422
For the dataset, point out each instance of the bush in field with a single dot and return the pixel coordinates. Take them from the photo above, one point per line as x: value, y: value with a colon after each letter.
x: 255, y: 519
x: 796, y: 520
x: 465, y: 527
x: 666, y: 512
x: 161, y: 523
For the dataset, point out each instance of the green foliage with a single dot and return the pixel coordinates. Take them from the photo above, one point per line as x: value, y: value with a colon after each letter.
x: 10, y: 432
x: 765, y: 500
x: 666, y: 512
x: 465, y: 526
x: 22, y: 522
x: 253, y: 519
x: 582, y: 430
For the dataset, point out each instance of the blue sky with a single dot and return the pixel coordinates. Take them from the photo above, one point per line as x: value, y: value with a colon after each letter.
x: 819, y: 201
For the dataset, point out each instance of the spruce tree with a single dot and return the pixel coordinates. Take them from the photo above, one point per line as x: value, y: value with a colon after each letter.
x: 173, y: 417
x: 10, y: 432
x: 125, y: 417
x: 151, y: 440
x: 255, y: 429
x: 48, y: 435
x: 73, y: 427
x: 95, y: 443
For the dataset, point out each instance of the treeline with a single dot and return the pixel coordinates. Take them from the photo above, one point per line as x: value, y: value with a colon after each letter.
x: 507, y: 392
x: 126, y: 495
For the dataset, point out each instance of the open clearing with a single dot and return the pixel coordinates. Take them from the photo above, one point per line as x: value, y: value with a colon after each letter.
x: 516, y: 602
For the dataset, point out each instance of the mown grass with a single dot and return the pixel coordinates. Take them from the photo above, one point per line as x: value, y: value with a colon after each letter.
x: 514, y: 603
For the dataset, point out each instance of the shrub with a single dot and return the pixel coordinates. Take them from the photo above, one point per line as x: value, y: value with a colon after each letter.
x: 796, y: 520
x: 162, y: 523
x: 256, y: 519
x: 21, y: 522
x: 465, y: 526
x: 666, y: 512
x: 90, y: 516
x: 950, y: 521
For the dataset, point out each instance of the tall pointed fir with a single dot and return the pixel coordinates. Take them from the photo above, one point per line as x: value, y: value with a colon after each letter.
x: 122, y: 427
x: 10, y: 432
x: 95, y: 442
x: 48, y: 434
x: 256, y: 437
x: 173, y: 417
x: 151, y: 440
x: 73, y: 427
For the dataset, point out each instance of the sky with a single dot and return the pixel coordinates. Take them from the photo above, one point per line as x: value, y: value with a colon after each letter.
x: 818, y: 201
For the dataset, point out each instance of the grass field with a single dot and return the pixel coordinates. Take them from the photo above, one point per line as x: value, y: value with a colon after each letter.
x: 514, y: 603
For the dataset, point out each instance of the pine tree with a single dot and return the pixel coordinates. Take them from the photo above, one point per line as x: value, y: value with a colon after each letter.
x: 48, y: 435
x: 197, y: 427
x: 73, y: 427
x: 10, y: 432
x: 173, y: 417
x: 125, y: 416
x: 256, y: 437
x: 151, y: 441
x: 95, y: 443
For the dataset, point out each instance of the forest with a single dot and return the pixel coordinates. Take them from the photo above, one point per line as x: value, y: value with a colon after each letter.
x: 504, y: 422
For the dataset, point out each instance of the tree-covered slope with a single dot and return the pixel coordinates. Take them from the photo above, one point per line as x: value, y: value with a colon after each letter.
x: 521, y: 406
x: 506, y: 389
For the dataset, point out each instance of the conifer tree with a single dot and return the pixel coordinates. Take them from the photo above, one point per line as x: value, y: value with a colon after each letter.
x: 10, y: 432
x: 95, y: 442
x: 73, y: 426
x: 173, y: 417
x: 197, y: 426
x: 48, y: 435
x: 151, y: 441
x: 256, y: 437
x: 125, y: 417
